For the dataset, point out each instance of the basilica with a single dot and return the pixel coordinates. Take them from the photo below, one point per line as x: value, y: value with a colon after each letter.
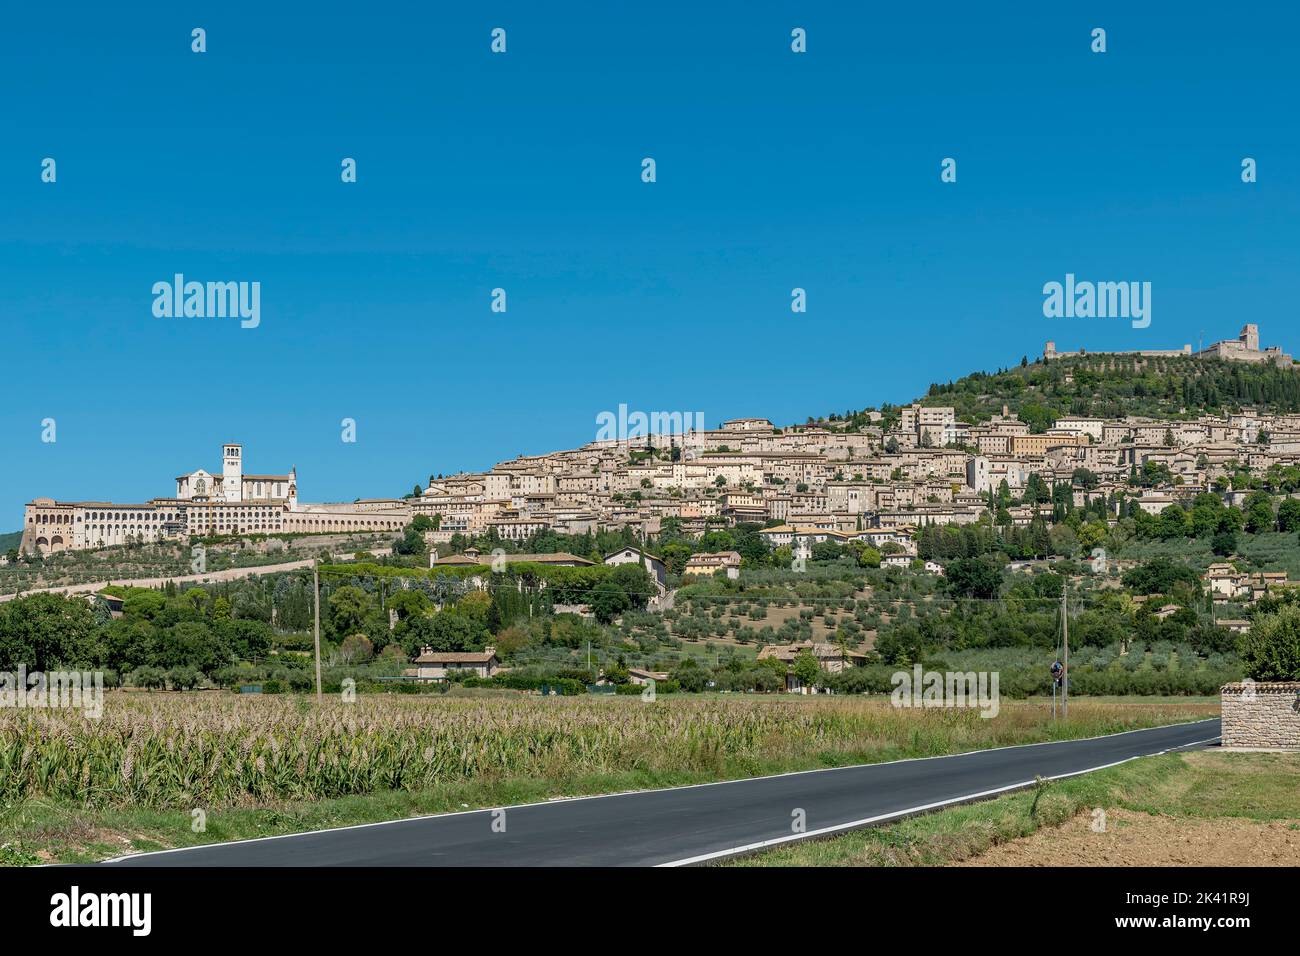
x: 233, y: 485
x: 206, y: 503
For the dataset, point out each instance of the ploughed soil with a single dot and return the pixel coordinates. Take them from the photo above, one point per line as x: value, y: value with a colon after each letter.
x: 1141, y: 839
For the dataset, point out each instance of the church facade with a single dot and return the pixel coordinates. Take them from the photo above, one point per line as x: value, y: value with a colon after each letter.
x: 232, y: 485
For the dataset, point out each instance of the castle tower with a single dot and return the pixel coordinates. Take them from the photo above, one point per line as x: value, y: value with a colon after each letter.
x: 1049, y: 351
x: 232, y: 472
x: 1250, y: 337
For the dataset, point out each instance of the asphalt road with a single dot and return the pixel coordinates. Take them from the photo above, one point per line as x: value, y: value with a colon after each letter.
x: 687, y: 824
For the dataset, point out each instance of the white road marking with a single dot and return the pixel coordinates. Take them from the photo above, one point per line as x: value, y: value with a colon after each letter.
x: 910, y: 811
x: 629, y: 793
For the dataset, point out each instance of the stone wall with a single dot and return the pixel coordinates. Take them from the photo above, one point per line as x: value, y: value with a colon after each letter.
x: 1261, y: 715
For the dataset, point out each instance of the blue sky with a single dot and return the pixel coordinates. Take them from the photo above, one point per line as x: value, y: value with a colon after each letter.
x: 522, y: 171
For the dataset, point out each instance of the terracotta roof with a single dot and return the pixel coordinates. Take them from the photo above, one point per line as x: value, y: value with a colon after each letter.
x: 788, y: 652
x: 455, y: 657
x: 716, y: 557
x: 560, y: 557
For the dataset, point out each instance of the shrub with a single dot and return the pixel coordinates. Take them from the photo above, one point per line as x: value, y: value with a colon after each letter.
x: 356, y: 648
x: 1271, y: 649
x: 184, y: 678
x: 150, y: 678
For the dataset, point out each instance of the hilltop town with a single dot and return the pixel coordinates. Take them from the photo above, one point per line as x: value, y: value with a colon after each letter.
x: 875, y: 477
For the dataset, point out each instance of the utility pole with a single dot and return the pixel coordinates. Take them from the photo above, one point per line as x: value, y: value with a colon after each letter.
x: 315, y: 584
x: 1065, y: 633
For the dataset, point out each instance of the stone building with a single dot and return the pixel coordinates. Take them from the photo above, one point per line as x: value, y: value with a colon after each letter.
x: 205, y: 504
x: 1245, y: 348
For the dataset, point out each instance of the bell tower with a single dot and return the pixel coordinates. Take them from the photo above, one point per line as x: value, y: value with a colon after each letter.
x: 232, y: 471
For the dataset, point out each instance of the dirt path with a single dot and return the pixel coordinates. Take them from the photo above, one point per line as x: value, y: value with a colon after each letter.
x: 229, y: 574
x: 1142, y: 839
x: 209, y: 577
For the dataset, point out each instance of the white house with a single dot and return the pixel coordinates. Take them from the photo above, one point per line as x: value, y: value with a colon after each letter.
x: 654, y: 565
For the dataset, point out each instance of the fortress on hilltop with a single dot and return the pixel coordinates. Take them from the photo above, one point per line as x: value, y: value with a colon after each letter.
x: 1244, y: 348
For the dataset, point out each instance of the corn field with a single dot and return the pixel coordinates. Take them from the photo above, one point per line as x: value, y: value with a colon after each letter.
x: 176, y: 750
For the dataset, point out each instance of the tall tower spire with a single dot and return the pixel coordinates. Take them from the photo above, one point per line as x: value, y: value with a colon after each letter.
x: 232, y: 471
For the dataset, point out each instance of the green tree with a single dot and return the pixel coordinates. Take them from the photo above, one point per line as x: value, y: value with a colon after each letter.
x: 675, y: 556
x: 190, y: 644
x: 617, y: 673
x: 143, y: 603
x: 869, y: 557
x: 1173, y: 523
x: 409, y: 603
x: 355, y: 649
x: 807, y: 669
x: 127, y: 644
x: 412, y: 540
x: 1064, y: 541
x: 1288, y: 515
x: 1160, y: 576
x: 150, y: 678
x: 445, y: 631
x: 690, y: 676
x: 973, y: 577
x: 1224, y: 543
x: 45, y: 631
x: 476, y: 606
x: 607, y: 601
x: 348, y: 606
x: 1259, y: 517
x: 197, y: 599
x: 635, y: 582
x: 1271, y: 648
x: 184, y: 678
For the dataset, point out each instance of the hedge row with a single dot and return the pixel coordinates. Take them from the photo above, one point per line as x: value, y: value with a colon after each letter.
x: 1020, y: 681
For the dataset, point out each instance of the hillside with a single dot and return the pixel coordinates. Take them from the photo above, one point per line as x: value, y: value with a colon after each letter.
x: 1103, y: 386
x: 10, y: 540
